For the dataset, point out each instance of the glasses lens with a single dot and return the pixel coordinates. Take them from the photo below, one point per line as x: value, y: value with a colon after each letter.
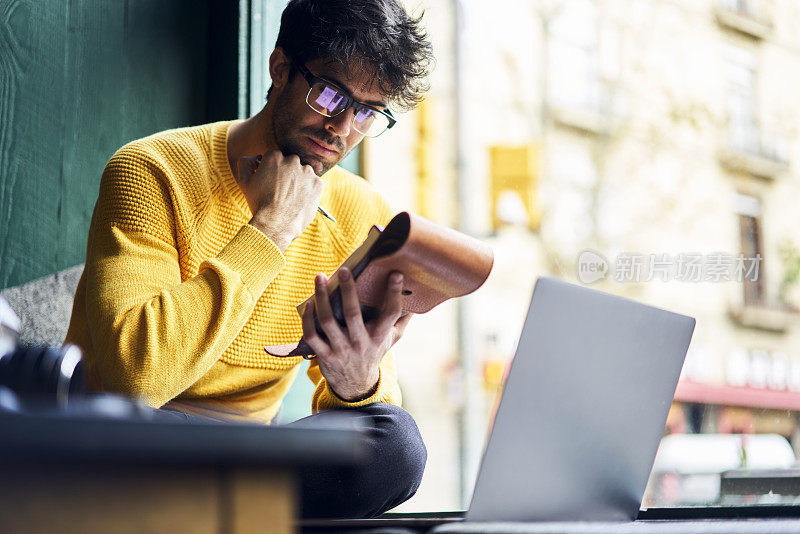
x: 370, y: 123
x: 326, y: 100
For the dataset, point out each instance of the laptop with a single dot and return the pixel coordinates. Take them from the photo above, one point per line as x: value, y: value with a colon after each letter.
x: 581, y: 414
x: 583, y: 409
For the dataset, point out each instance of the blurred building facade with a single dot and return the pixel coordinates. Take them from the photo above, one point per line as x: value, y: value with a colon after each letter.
x: 658, y: 137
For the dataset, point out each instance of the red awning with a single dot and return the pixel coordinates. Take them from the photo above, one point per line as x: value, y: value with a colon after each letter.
x: 737, y: 396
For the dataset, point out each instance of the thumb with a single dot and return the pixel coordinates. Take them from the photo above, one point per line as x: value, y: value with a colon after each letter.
x: 401, y: 323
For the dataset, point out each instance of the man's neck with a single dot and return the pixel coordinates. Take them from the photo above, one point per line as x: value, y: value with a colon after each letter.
x: 251, y: 137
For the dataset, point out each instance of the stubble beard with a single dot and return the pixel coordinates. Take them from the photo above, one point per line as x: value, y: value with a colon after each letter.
x: 290, y: 144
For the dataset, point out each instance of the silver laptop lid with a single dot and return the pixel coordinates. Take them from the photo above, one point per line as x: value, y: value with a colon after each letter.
x: 583, y: 408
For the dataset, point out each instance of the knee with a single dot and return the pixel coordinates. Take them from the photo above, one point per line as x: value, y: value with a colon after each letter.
x: 399, y: 444
x: 403, y: 435
x: 389, y: 475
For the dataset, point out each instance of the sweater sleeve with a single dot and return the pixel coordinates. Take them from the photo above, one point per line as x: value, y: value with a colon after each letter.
x: 388, y: 388
x: 152, y: 333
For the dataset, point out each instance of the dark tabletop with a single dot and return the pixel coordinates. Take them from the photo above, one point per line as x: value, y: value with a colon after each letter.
x: 57, y: 437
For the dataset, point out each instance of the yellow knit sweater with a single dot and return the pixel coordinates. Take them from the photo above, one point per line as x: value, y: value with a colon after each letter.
x: 180, y: 295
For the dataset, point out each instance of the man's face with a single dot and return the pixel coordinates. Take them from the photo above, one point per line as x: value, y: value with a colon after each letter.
x: 320, y: 141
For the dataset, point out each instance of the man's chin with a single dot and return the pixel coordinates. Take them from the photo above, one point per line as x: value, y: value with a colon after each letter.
x: 319, y: 165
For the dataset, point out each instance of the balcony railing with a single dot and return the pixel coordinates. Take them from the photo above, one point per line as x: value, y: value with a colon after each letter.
x: 599, y: 110
x: 752, y: 150
x: 766, y: 316
x: 743, y: 16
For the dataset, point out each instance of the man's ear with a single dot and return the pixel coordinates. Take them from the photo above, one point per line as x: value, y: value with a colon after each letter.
x: 279, y: 67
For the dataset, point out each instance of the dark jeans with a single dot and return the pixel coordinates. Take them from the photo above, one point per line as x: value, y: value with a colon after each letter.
x: 389, y: 475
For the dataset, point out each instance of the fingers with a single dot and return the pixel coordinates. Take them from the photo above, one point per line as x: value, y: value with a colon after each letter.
x: 246, y: 167
x: 310, y: 334
x: 269, y: 164
x: 336, y: 337
x: 293, y: 160
x: 352, y: 309
x: 357, y: 339
x: 310, y: 185
x: 393, y: 306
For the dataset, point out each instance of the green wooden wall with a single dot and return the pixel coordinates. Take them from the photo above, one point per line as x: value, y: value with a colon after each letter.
x: 80, y: 78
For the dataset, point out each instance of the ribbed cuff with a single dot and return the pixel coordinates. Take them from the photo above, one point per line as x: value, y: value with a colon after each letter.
x: 329, y: 400
x: 255, y: 257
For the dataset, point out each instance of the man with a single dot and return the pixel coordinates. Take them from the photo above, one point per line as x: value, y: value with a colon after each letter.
x: 204, y: 239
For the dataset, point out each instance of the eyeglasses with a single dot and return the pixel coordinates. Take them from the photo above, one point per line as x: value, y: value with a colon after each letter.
x: 329, y: 101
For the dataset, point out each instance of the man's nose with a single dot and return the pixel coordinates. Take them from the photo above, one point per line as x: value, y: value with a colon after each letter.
x: 340, y: 124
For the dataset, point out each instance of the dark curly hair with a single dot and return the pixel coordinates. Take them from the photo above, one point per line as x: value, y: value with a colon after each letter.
x: 377, y: 35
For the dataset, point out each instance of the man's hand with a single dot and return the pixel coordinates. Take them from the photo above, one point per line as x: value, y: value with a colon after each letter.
x: 283, y: 195
x: 350, y: 359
